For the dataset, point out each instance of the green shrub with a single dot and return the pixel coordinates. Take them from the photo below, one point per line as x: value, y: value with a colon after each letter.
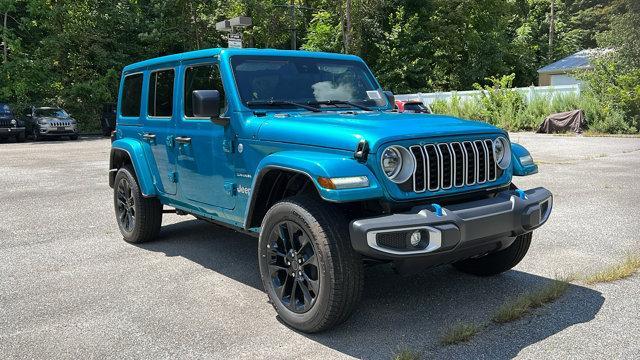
x: 508, y: 109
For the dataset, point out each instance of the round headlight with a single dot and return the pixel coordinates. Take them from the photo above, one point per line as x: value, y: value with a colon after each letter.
x: 502, y: 152
x: 397, y: 163
x: 391, y: 162
x: 14, y: 122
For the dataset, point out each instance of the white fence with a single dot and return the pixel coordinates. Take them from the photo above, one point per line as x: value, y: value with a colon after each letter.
x: 530, y: 92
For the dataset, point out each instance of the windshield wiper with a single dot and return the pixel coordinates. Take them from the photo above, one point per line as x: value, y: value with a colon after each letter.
x: 281, y: 102
x: 340, y: 102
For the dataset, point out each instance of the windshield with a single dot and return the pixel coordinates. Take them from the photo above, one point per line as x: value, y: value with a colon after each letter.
x: 261, y: 79
x: 51, y: 113
x: 5, y: 110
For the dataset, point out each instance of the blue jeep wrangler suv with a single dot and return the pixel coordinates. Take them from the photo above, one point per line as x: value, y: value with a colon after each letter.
x: 305, y: 151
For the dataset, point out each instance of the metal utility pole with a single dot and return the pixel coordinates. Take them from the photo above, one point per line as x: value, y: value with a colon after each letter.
x: 4, y: 38
x: 347, y: 30
x: 293, y: 8
x: 552, y: 28
x: 294, y: 31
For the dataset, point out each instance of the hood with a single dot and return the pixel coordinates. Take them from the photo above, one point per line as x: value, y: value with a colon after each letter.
x: 52, y: 118
x: 343, y: 130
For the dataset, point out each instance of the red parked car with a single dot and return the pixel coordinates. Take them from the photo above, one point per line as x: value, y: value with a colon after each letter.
x: 413, y: 106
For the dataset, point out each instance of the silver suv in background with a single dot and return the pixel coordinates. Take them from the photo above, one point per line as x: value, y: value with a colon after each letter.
x: 49, y: 122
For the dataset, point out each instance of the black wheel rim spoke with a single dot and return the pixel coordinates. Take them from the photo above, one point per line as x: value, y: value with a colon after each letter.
x: 305, y: 292
x: 293, y: 266
x: 312, y: 284
x: 126, y: 206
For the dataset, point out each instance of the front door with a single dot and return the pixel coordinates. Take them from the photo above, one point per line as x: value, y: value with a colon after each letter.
x: 204, y: 153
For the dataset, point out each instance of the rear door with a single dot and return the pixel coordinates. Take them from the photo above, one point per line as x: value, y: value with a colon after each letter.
x: 204, y: 149
x: 159, y: 126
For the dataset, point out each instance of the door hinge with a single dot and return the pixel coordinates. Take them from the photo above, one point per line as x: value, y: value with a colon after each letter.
x: 173, y: 176
x: 230, y: 188
x: 227, y: 146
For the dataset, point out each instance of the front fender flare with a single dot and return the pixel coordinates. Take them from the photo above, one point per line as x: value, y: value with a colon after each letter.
x: 135, y: 151
x: 314, y: 165
x: 318, y: 164
x: 518, y: 152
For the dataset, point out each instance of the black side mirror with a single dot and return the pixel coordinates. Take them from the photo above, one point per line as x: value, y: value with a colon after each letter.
x: 391, y: 98
x: 206, y: 103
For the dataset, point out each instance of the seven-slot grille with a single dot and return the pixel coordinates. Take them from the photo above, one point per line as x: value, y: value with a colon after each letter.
x: 60, y: 123
x: 446, y: 165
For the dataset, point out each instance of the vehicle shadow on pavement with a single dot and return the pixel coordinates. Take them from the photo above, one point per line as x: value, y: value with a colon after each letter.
x: 398, y: 313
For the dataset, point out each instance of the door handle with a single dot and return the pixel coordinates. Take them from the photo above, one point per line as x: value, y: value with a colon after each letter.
x: 149, y: 136
x: 183, y: 140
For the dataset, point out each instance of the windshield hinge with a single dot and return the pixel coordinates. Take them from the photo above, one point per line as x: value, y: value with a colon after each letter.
x: 362, y: 151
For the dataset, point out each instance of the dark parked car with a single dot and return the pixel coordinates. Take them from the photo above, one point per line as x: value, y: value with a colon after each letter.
x: 49, y: 122
x: 10, y: 127
x: 108, y: 118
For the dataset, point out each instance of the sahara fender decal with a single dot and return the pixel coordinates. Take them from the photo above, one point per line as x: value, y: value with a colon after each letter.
x: 517, y: 152
x: 136, y: 153
x: 314, y: 165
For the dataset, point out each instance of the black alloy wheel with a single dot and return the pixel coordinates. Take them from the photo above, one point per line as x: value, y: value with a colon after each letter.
x: 293, y: 267
x: 309, y: 270
x: 126, y: 205
x: 139, y: 218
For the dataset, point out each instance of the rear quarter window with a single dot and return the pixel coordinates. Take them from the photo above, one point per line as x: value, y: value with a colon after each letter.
x: 132, y: 95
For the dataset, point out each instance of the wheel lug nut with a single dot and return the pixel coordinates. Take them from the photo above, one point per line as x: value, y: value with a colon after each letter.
x: 300, y: 273
x: 288, y: 262
x: 300, y: 261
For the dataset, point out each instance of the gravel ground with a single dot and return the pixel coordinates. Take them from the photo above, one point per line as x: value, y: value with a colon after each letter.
x: 71, y: 288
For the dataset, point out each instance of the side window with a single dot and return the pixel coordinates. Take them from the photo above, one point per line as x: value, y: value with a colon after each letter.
x: 131, y: 95
x: 161, y: 93
x: 202, y: 77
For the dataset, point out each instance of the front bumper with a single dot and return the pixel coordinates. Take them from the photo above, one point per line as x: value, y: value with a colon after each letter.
x: 58, y: 130
x: 11, y: 131
x: 457, y: 231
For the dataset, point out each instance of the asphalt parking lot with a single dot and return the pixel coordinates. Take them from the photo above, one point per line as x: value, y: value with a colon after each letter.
x: 71, y: 288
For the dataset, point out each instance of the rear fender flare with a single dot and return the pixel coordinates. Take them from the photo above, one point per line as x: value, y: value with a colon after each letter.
x: 135, y: 152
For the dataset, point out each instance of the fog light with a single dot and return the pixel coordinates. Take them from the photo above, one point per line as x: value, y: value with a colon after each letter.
x: 419, y: 239
x: 416, y: 237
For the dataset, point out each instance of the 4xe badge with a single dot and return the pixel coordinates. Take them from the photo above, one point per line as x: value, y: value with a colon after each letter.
x: 244, y: 190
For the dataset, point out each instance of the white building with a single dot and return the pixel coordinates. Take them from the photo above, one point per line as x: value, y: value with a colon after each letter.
x: 562, y: 72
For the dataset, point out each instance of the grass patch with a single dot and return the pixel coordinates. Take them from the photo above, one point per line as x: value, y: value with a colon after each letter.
x: 518, y: 308
x: 616, y: 272
x: 459, y: 333
x: 406, y: 355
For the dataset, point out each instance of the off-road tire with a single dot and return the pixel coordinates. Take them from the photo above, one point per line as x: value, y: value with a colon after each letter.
x: 340, y: 268
x: 497, y: 262
x: 36, y: 135
x: 148, y: 211
x: 73, y: 137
